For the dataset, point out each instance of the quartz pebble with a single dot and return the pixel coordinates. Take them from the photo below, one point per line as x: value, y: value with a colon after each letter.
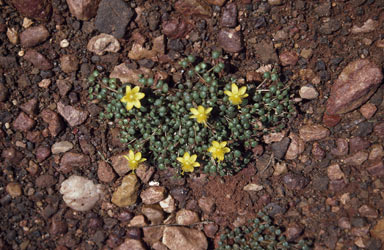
x: 61, y: 147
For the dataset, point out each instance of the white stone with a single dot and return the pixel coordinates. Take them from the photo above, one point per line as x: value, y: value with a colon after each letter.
x: 61, y: 147
x: 80, y: 193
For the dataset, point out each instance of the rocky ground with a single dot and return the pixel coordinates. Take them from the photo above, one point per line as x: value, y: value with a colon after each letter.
x: 320, y: 179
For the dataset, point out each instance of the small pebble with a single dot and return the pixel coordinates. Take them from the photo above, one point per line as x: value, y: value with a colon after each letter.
x: 64, y: 43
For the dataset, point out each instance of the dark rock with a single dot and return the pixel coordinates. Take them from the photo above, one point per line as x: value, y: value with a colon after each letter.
x: 113, y: 17
x: 38, y: 60
x: 288, y: 58
x: 36, y: 9
x: 211, y: 229
x: 3, y: 93
x: 323, y: 9
x: 230, y: 40
x: 357, y: 144
x: 11, y: 155
x: 8, y: 62
x: 175, y: 28
x: 64, y: 87
x: 337, y: 185
x: 30, y: 107
x: 44, y: 181
x: 69, y: 63
x: 364, y: 129
x: 72, y: 115
x: 379, y: 129
x: 86, y: 146
x: 23, y: 122
x: 176, y: 45
x: 320, y: 183
x: 180, y: 194
x: 229, y: 16
x: 295, y: 181
x: 358, y: 222
x: 273, y: 209
x: 354, y: 86
x: 55, y: 124
x: 33, y: 36
x: 317, y: 152
x: 280, y: 148
x: 34, y: 136
x: 42, y: 153
x: 293, y: 232
x: 154, y: 20
x: 58, y: 226
x: 331, y: 120
x: 71, y: 160
x: 83, y: 9
x: 329, y: 27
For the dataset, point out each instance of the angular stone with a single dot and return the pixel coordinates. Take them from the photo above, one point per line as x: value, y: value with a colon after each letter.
x: 376, y: 152
x: 186, y: 217
x: 368, y: 110
x: 253, y: 187
x: 379, y: 129
x: 176, y: 28
x: 334, y: 172
x: 356, y: 159
x: 131, y: 244
x: 55, y: 124
x: 3, y: 93
x: 230, y: 40
x: 45, y: 181
x: 86, y: 146
x: 105, y: 172
x: 125, y: 74
x: 153, y: 235
x: 138, y: 52
x: 295, y: 181
x: 38, y: 60
x: 295, y: 148
x: 357, y: 144
x: 376, y: 168
x: 368, y: 212
x: 33, y: 36
x: 176, y: 238
x: 229, y: 16
x: 331, y: 120
x: 71, y: 160
x: 113, y: 17
x: 193, y: 8
x: 280, y: 148
x: 69, y: 63
x: 154, y: 213
x: 126, y: 194
x: 378, y: 230
x: 64, y: 87
x: 168, y: 204
x: 329, y: 27
x: 103, y: 43
x: 354, y: 86
x: 288, y: 58
x: 23, y: 122
x: 42, y: 153
x: 344, y: 223
x: 313, y: 132
x: 317, y: 152
x: 152, y: 195
x: 30, y: 107
x: 138, y: 221
x: 72, y: 115
x: 368, y: 26
x: 83, y: 9
x: 36, y: 9
x: 341, y: 147
x: 120, y: 164
x: 145, y: 172
x: 207, y: 204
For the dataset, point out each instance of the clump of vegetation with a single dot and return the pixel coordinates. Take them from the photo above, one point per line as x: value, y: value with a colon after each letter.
x: 259, y: 234
x: 206, y: 120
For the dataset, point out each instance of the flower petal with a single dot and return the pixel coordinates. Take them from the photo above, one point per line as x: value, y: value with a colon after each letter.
x: 228, y: 93
x: 142, y: 160
x: 131, y: 155
x: 226, y: 150
x: 140, y: 95
x: 208, y: 110
x: 200, y: 109
x: 242, y: 90
x: 245, y: 95
x: 138, y: 156
x: 128, y: 90
x: 211, y: 149
x: 235, y: 89
x: 194, y: 111
x: 223, y: 144
x: 129, y: 106
x: 136, y: 89
x: 137, y: 104
x: 215, y: 144
x: 196, y: 164
x: 193, y: 158
x: 180, y: 159
x: 186, y: 156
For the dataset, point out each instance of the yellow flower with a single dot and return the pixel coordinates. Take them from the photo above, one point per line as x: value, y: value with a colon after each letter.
x: 134, y: 159
x: 132, y: 97
x: 188, y: 162
x: 200, y: 114
x: 236, y: 95
x: 218, y: 149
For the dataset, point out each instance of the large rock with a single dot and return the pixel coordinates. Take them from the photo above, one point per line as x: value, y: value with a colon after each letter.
x: 126, y: 194
x: 72, y: 115
x: 23, y: 122
x: 103, y: 43
x: 354, y: 86
x: 33, y: 36
x: 230, y: 40
x: 83, y: 9
x: 79, y: 193
x: 37, y: 9
x: 71, y: 160
x: 55, y: 124
x: 176, y: 238
x: 313, y: 132
x: 113, y: 17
